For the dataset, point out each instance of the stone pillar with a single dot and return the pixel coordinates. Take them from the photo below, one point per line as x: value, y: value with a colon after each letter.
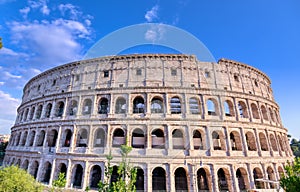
x: 59, y: 134
x: 170, y: 178
x: 269, y: 143
x: 85, y: 176
x: 227, y: 141
x: 214, y: 175
x: 250, y: 176
x: 69, y: 174
x: 257, y: 142
x: 148, y: 179
x: 234, y: 186
x: 65, y: 113
x: 244, y: 142
x: 53, y: 168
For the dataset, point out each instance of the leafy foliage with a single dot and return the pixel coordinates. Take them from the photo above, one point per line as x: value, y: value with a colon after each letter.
x: 1, y: 45
x: 14, y: 179
x: 61, y: 181
x: 127, y: 174
x: 295, y: 146
x: 291, y: 181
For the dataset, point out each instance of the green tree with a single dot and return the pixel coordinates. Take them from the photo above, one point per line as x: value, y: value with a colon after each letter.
x: 127, y: 174
x: 60, y: 182
x: 14, y: 179
x: 1, y: 45
x: 291, y: 181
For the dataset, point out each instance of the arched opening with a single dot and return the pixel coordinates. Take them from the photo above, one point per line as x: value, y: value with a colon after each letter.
x: 273, y: 142
x: 218, y: 140
x: 24, y: 138
x: 18, y: 139
x: 99, y: 139
x: 95, y: 176
x: 78, y: 173
x: 103, y: 107
x: 280, y: 172
x: 211, y: 107
x: 52, y: 137
x: 181, y: 184
x: 235, y: 140
x: 118, y: 138
x: 228, y: 108
x: 263, y: 142
x: 59, y: 109
x: 251, y: 142
x: 41, y: 138
x: 222, y: 180
x: 39, y: 112
x: 158, y: 179
x: 242, y: 177
x: 177, y: 139
x: 280, y: 143
x: 121, y: 106
x: 68, y: 137
x: 271, y: 114
x: 271, y: 177
x: 158, y: 139
x: 255, y: 112
x: 18, y: 163
x: 114, y: 175
x: 82, y: 138
x: 139, y: 184
x: 63, y: 169
x: 175, y: 105
x: 34, y: 169
x: 26, y: 114
x: 257, y: 174
x: 194, y: 105
x: 25, y: 165
x: 48, y: 110
x: 73, y: 108
x: 264, y: 113
x: 202, y: 180
x: 157, y: 105
x: 31, y: 138
x: 243, y: 109
x: 138, y: 105
x: 47, y: 172
x: 138, y: 138
x: 197, y: 140
x: 31, y: 113
x: 87, y: 107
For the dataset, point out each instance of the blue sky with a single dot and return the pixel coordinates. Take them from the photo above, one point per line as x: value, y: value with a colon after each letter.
x: 41, y: 34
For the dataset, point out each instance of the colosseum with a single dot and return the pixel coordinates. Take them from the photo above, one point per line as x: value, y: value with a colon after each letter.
x: 193, y: 125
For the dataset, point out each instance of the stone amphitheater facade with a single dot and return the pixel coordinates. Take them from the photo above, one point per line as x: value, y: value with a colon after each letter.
x: 193, y: 125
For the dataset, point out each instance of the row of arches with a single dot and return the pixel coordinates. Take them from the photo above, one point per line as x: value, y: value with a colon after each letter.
x: 160, y: 138
x: 157, y: 105
x: 182, y: 180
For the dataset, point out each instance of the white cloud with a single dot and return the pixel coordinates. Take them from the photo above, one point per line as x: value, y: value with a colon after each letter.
x: 25, y: 11
x: 8, y: 108
x: 9, y: 75
x: 10, y: 52
x: 69, y: 9
x: 1, y: 83
x: 155, y: 33
x: 152, y: 14
x: 41, y: 5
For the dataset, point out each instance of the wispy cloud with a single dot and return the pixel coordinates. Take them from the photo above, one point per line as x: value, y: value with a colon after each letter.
x: 41, y: 5
x: 155, y: 33
x: 152, y: 15
x: 6, y: 1
x: 10, y: 52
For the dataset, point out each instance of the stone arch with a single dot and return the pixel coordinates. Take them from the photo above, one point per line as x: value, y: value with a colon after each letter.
x: 198, y: 140
x: 95, y: 176
x: 62, y: 168
x: 273, y: 142
x: 82, y: 138
x: 25, y: 164
x: 24, y: 138
x: 121, y: 106
x: 194, y: 105
x: 138, y: 138
x: 236, y: 142
x: 31, y: 113
x: 40, y: 138
x: 251, y: 141
x: 39, y: 112
x: 264, y: 112
x: 138, y: 105
x: 114, y: 175
x: 46, y: 172
x: 257, y: 174
x: 271, y: 176
x: 175, y: 105
x: 212, y: 106
x: 34, y: 169
x: 67, y: 138
x: 263, y: 142
x: 103, y: 106
x: 87, y: 107
x: 177, y: 139
x: 59, y: 109
x: 99, y: 138
x: 118, y: 137
x: 77, y: 176
x: 73, y: 107
x: 26, y: 114
x: 228, y: 108
x: 52, y: 138
x: 139, y: 184
x: 181, y: 181
x: 255, y: 112
x: 218, y: 140
x: 31, y: 138
x: 242, y: 178
x: 18, y: 163
x: 158, y: 139
x: 18, y: 138
x: 48, y: 110
x: 281, y: 145
x: 203, y: 180
x: 158, y: 179
x: 280, y: 172
x: 243, y: 109
x: 271, y: 114
x: 157, y: 105
x: 224, y: 180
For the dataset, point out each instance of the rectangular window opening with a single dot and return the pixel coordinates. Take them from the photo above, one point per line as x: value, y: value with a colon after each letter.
x: 173, y: 72
x: 105, y: 73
